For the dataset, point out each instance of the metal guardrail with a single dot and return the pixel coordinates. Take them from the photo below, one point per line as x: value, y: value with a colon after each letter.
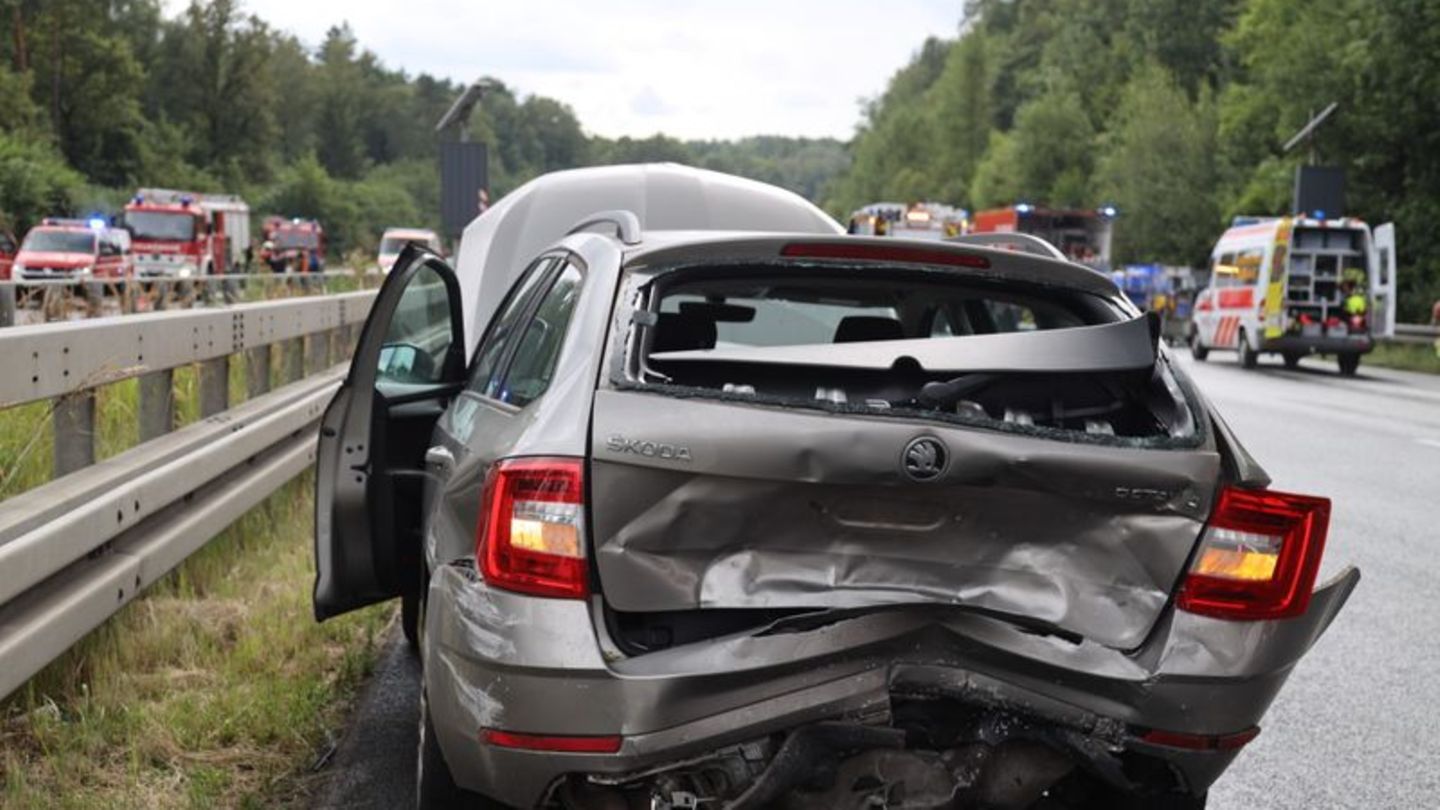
x: 54, y: 299
x: 76, y: 550
x: 1415, y: 333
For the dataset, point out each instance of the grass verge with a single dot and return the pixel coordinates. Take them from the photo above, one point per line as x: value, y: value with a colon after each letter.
x: 214, y: 689
x: 1407, y: 356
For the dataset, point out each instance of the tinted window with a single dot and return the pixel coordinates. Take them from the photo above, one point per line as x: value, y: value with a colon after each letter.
x: 501, y: 336
x: 754, y: 311
x: 534, y: 362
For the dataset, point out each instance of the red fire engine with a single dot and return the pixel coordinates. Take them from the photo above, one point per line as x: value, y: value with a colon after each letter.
x: 293, y: 245
x: 184, y: 234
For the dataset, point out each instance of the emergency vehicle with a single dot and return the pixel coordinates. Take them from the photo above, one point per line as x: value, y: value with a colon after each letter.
x: 1298, y: 286
x: 1081, y: 234
x: 293, y: 245
x: 183, y: 234
x: 394, y: 240
x: 921, y: 220
x: 75, y: 249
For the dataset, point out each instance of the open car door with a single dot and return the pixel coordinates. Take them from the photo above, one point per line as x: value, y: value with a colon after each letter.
x: 370, y: 473
x: 1382, y: 282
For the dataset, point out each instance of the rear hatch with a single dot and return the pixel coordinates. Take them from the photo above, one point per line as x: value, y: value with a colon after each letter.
x: 817, y: 432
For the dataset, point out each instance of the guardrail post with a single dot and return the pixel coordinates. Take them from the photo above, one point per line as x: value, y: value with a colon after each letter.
x: 257, y: 371
x: 294, y: 357
x: 74, y: 432
x: 214, y: 386
x: 317, y: 352
x: 94, y: 299
x: 7, y: 304
x: 157, y: 404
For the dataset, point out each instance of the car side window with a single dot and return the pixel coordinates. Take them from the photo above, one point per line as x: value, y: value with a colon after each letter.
x: 419, y: 332
x: 534, y: 362
x: 502, y: 334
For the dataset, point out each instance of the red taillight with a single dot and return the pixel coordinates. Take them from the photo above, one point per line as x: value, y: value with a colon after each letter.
x: 1201, y: 742
x: 881, y: 253
x: 531, y: 538
x: 1258, y: 556
x: 546, y: 742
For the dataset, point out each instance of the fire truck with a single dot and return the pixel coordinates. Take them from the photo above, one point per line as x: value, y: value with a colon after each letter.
x: 183, y: 234
x: 1081, y: 234
x: 293, y: 245
x: 1298, y: 286
x: 921, y: 220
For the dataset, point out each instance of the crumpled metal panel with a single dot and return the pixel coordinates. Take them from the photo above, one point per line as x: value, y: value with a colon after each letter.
x: 769, y: 507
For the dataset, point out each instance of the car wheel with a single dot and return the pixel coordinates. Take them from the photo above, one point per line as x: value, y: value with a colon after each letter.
x: 1248, y: 357
x: 410, y: 620
x: 1292, y: 360
x: 1349, y: 363
x: 1197, y: 349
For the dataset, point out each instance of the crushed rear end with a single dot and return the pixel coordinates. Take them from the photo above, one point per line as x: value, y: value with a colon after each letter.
x: 874, y: 525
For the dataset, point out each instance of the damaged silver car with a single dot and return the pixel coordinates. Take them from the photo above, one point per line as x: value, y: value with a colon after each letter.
x: 695, y: 502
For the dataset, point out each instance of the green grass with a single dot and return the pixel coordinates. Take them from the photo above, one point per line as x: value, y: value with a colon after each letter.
x: 1408, y: 356
x: 214, y: 689
x: 27, y: 447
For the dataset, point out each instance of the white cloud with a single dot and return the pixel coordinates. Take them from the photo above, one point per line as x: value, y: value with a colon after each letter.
x: 632, y: 67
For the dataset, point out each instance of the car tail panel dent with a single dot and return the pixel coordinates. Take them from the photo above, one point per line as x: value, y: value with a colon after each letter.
x: 784, y: 508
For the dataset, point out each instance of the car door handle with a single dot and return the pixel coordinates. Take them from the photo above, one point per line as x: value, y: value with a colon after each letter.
x: 440, y: 458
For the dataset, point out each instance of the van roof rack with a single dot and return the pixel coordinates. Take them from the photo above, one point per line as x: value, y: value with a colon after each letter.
x: 627, y: 225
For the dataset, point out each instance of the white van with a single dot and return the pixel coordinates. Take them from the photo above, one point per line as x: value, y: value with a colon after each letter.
x: 1297, y: 286
x: 394, y: 240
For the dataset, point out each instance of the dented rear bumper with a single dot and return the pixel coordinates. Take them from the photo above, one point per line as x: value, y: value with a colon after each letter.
x: 544, y: 666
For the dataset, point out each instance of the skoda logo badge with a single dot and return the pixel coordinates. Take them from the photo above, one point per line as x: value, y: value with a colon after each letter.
x: 925, y: 458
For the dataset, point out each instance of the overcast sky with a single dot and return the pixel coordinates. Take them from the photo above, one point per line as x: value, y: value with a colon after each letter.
x: 627, y: 67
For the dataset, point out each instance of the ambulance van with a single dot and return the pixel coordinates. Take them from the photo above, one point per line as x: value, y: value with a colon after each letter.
x: 1297, y: 286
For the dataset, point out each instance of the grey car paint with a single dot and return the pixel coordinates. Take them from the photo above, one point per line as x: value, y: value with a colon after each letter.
x: 496, y: 658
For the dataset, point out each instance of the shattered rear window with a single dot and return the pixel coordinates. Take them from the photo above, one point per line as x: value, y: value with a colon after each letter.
x: 911, y: 342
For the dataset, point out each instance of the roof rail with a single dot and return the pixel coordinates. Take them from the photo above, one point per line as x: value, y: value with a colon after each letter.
x: 627, y: 225
x: 1026, y: 243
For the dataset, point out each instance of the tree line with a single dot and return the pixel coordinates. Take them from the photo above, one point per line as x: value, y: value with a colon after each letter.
x: 99, y: 97
x: 1172, y: 110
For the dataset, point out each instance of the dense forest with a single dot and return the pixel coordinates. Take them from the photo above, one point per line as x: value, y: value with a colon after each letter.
x: 98, y: 97
x: 1174, y: 111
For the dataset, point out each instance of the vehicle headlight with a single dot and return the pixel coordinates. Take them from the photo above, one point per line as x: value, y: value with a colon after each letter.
x: 17, y: 267
x: 83, y: 270
x: 185, y: 271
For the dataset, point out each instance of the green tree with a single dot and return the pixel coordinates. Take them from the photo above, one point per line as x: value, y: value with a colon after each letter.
x: 1053, y: 145
x: 995, y: 182
x: 340, y: 104
x: 91, y: 89
x: 34, y: 182
x: 1158, y: 167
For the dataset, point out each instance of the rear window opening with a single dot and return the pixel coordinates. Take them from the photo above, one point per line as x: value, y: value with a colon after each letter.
x: 893, y: 341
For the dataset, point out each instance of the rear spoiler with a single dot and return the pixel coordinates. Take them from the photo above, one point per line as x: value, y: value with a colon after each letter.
x: 1123, y: 346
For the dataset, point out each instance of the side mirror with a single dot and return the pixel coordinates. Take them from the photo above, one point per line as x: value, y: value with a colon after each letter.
x: 405, y: 363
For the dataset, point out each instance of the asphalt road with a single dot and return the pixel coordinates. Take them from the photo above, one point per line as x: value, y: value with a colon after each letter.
x: 1358, y: 725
